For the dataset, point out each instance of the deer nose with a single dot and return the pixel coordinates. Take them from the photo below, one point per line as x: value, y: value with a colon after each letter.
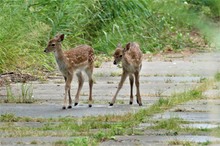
x: 114, y: 62
x: 45, y: 51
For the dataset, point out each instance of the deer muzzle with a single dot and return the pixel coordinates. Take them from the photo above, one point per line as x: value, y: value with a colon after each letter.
x: 45, y: 51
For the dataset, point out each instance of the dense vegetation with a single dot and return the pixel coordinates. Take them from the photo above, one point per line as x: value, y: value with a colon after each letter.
x: 26, y: 26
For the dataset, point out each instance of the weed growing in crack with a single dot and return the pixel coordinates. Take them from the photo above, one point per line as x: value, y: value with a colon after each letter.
x: 188, y: 143
x: 217, y: 76
x: 102, y: 136
x: 118, y: 130
x: 10, y: 96
x: 170, y: 124
x: 163, y: 101
x: 26, y: 95
x: 99, y: 75
x: 203, y: 79
x: 8, y: 118
x: 168, y: 80
x: 83, y: 141
x: 159, y: 92
x: 178, y: 142
x: 115, y: 74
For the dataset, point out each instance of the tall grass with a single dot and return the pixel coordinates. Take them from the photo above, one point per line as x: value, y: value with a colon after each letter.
x: 21, y: 38
x: 139, y: 21
x: 26, y: 27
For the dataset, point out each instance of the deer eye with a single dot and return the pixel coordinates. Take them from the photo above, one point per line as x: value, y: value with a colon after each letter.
x: 120, y: 56
x: 53, y: 45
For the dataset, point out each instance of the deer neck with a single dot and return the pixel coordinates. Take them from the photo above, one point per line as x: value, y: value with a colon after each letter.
x: 60, y: 58
x: 59, y: 53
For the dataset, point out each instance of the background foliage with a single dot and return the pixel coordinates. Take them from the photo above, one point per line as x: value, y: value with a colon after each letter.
x: 27, y: 25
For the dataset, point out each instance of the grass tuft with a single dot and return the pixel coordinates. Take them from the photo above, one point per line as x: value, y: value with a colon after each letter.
x: 26, y: 95
x: 217, y: 76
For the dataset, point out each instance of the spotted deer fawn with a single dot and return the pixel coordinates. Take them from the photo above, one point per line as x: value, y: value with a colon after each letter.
x: 76, y: 60
x: 131, y: 57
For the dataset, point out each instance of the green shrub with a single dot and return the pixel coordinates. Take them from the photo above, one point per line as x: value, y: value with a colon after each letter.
x: 28, y: 25
x: 208, y: 7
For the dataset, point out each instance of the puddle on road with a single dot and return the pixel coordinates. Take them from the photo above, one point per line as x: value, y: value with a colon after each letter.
x: 154, y: 140
x: 200, y: 126
x: 192, y: 125
x: 194, y: 111
x: 191, y: 116
x: 197, y: 139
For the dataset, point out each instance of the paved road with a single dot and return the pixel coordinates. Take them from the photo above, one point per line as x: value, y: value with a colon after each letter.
x: 159, y: 78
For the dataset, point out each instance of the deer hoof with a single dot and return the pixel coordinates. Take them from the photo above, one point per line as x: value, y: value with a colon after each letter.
x: 63, y: 107
x: 90, y: 105
x: 140, y: 104
x: 110, y: 104
x: 131, y: 103
x: 76, y: 104
x: 69, y: 107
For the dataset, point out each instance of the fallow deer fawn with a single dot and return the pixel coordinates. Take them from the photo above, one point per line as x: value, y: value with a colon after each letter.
x: 78, y: 59
x: 131, y: 57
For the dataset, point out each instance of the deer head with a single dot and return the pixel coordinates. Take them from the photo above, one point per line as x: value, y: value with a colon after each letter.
x: 54, y: 43
x: 118, y: 54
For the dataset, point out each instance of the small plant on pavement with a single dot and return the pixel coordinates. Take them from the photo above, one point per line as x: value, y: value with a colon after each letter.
x: 10, y: 96
x: 26, y: 95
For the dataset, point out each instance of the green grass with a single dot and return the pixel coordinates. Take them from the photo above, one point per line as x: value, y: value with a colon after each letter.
x: 116, y: 74
x: 170, y: 124
x: 217, y: 76
x: 174, y: 126
x: 81, y: 141
x: 188, y: 143
x: 28, y: 25
x: 216, y: 132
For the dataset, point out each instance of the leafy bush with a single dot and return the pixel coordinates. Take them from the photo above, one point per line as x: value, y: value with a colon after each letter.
x: 28, y: 25
x: 202, y: 5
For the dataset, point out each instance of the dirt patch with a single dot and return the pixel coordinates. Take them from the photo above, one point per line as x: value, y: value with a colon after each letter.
x: 12, y: 77
x: 169, y: 55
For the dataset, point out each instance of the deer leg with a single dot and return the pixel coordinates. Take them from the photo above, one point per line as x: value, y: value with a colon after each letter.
x: 136, y: 74
x: 123, y: 77
x: 70, y: 99
x: 80, y: 84
x: 68, y: 81
x: 131, y: 79
x: 64, y: 103
x: 89, y: 72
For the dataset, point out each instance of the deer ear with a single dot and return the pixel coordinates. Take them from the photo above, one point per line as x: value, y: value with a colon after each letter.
x: 127, y: 47
x: 61, y: 38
